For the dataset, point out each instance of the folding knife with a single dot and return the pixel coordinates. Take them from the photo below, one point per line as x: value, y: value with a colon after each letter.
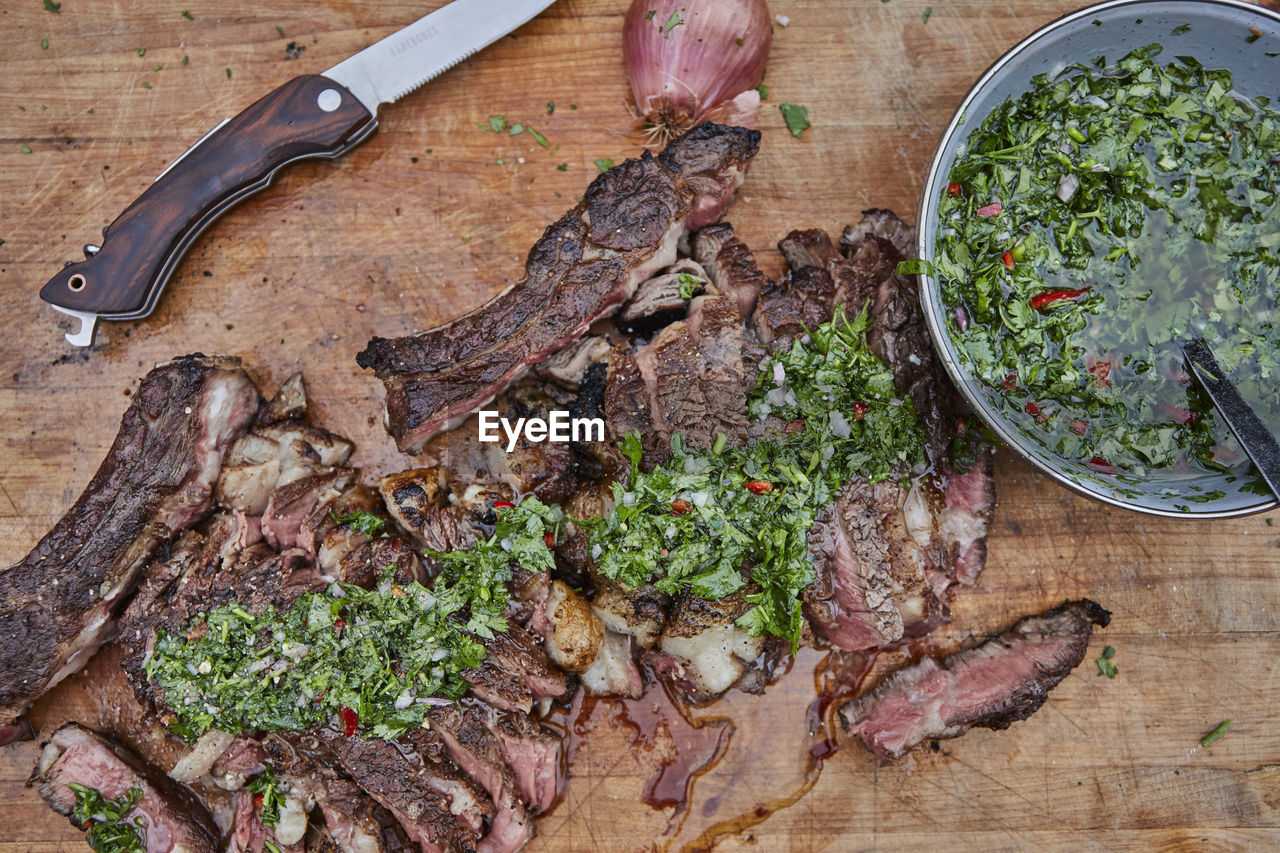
x: 313, y: 116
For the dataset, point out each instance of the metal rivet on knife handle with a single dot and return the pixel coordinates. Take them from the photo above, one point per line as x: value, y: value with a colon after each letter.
x: 76, y: 282
x: 329, y: 100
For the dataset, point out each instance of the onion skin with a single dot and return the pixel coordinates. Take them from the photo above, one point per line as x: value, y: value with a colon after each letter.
x: 696, y: 70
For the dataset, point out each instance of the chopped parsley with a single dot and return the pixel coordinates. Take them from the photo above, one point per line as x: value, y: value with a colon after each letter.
x: 50, y: 6
x: 186, y: 14
x: 1217, y: 732
x: 362, y: 522
x: 688, y: 284
x: 266, y: 785
x: 928, y: 11
x: 110, y: 828
x: 1090, y: 223
x: 376, y: 659
x: 796, y: 117
x: 604, y: 164
x: 674, y: 21
x: 1105, y: 666
x: 698, y: 521
x: 764, y: 92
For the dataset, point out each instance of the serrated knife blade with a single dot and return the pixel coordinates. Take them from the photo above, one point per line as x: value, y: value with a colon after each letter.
x: 312, y: 116
x: 389, y: 69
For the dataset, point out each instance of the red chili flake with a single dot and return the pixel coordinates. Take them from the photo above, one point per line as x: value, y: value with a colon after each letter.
x: 257, y: 801
x: 1102, y: 373
x: 397, y: 591
x: 988, y: 210
x: 1007, y: 257
x: 1041, y: 300
x: 1254, y: 31
x: 1010, y: 381
x: 953, y: 189
x: 758, y: 487
x: 549, y: 538
x: 1180, y: 376
x: 500, y: 504
x: 339, y: 623
x: 680, y: 507
x: 1079, y: 427
x: 168, y: 719
x: 1032, y: 409
x: 350, y: 722
x: 859, y: 411
x: 1100, y: 464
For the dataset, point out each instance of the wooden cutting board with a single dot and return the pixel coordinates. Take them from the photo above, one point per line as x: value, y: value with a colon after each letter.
x: 432, y: 216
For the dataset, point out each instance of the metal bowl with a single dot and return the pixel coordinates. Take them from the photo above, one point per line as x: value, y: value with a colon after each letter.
x: 1217, y: 38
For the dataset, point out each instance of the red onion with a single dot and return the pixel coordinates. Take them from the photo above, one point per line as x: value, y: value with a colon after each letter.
x: 694, y: 60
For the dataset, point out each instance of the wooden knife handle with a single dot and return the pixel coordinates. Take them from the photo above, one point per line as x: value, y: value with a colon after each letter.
x: 309, y: 116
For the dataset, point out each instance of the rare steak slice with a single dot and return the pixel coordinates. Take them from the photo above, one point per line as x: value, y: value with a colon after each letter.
x: 59, y: 604
x: 173, y: 819
x: 584, y: 267
x: 995, y: 684
x: 872, y: 573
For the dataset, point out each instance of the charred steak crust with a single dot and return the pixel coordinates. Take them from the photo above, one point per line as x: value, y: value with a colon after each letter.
x: 584, y: 266
x: 58, y: 605
x: 993, y: 684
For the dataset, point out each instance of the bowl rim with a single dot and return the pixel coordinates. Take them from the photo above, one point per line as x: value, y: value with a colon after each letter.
x: 932, y: 308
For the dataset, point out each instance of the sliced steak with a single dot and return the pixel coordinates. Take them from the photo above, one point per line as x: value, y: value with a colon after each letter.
x: 290, y: 506
x: 273, y: 455
x: 205, y: 573
x: 503, y: 749
x: 174, y: 818
x: 356, y: 822
x: 898, y: 334
x: 467, y: 731
x: 584, y: 267
x: 872, y: 573
x: 659, y: 300
x: 690, y: 379
x: 437, y: 804
x: 879, y: 222
x: 1003, y: 680
x: 730, y: 265
x: 59, y: 604
x: 515, y: 672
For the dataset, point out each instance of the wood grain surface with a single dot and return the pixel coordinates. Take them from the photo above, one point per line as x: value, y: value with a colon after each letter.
x: 431, y: 216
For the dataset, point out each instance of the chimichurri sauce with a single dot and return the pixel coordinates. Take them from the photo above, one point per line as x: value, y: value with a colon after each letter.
x: 1089, y: 224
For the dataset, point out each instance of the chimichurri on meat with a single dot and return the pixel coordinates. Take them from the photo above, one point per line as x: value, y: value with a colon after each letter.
x: 1091, y: 222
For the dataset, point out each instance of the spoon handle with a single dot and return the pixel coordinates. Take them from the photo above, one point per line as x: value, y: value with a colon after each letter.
x: 1254, y: 437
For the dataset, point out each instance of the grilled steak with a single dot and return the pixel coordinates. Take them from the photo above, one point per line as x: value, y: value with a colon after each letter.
x: 730, y: 264
x: 691, y: 379
x: 872, y: 573
x: 174, y: 818
x: 59, y: 604
x: 356, y: 822
x: 515, y: 672
x: 584, y: 266
x: 887, y: 556
x: 1003, y: 680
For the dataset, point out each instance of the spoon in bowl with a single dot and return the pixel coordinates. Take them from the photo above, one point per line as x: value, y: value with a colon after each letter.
x: 1250, y: 431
